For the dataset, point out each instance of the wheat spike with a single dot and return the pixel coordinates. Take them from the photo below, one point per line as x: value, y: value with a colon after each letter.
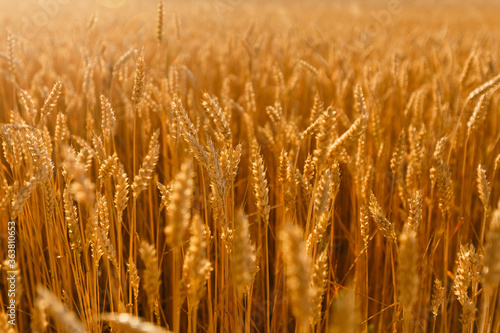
x: 138, y: 89
x: 261, y: 190
x: 438, y: 296
x: 491, y: 269
x: 385, y: 226
x: 244, y: 258
x: 134, y: 278
x: 320, y: 277
x: 151, y: 274
x: 50, y: 103
x: 71, y: 217
x: 299, y: 275
x: 344, y: 313
x: 407, y: 274
x: 468, y: 272
x: 483, y: 186
x: 444, y: 185
x: 142, y: 179
x: 334, y: 150
x: 159, y: 24
x: 24, y: 194
x: 66, y: 320
x: 179, y: 206
x: 121, y: 190
x: 196, y: 269
x: 108, y: 118
x: 415, y: 210
x: 127, y: 323
x: 107, y: 168
x: 479, y: 115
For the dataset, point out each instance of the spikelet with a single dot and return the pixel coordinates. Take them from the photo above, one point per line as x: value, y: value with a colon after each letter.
x: 179, y: 206
x: 384, y: 225
x: 196, y: 269
x: 151, y: 274
x: 142, y: 179
x: 138, y: 83
x: 127, y: 323
x: 438, y: 295
x: 407, y: 274
x: 65, y: 319
x: 260, y: 187
x: 491, y: 269
x: 298, y: 275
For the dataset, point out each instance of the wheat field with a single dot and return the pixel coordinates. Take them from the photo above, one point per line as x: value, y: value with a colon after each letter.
x: 249, y: 166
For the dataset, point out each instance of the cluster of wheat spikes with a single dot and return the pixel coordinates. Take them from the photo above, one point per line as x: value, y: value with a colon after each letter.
x: 260, y: 168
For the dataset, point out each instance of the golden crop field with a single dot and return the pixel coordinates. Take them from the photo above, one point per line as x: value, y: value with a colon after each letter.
x: 249, y: 166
